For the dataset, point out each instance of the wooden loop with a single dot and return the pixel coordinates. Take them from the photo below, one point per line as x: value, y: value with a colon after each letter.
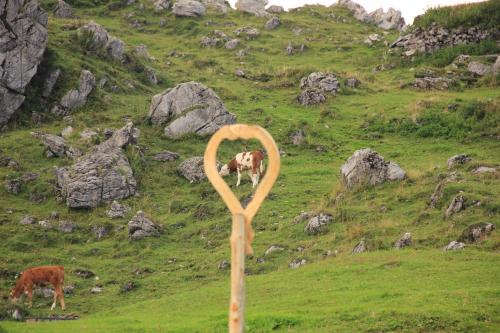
x: 246, y: 132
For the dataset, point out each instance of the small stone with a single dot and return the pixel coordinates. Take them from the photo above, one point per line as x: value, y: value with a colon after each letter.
x: 296, y: 263
x: 274, y: 248
x: 27, y: 220
x: 404, y: 241
x: 360, y: 247
x: 129, y: 286
x: 454, y: 245
x: 297, y: 137
x: 273, y: 23
x: 140, y: 227
x: 166, y: 156
x: 67, y: 226
x: 84, y: 273
x: 223, y: 265
x: 13, y: 186
x: 352, y: 82
x: 96, y: 290
x: 483, y: 169
x: 100, y: 231
x: 316, y: 223
x: 66, y: 132
x: 232, y: 44
x: 459, y: 159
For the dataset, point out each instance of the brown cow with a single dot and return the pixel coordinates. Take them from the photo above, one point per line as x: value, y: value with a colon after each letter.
x: 251, y: 161
x: 39, y: 276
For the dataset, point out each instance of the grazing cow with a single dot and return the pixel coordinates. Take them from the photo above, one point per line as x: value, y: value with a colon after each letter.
x: 251, y: 161
x: 40, y: 276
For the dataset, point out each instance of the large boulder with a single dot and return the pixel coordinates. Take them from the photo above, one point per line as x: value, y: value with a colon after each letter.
x: 104, y: 174
x: 95, y: 37
x: 357, y: 10
x: 193, y: 169
x: 189, y: 108
x: 221, y: 6
x: 404, y: 241
x: 23, y: 39
x: 366, y: 167
x: 63, y: 10
x: 75, y: 98
x: 255, y: 7
x: 476, y: 232
x: 479, y: 69
x: 190, y: 8
x: 274, y: 9
x: 387, y: 21
x: 325, y: 82
x: 140, y: 226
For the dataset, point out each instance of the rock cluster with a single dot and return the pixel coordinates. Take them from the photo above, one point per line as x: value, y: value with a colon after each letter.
x: 435, y: 37
x: 404, y: 241
x: 75, y: 98
x: 392, y: 19
x: 366, y: 167
x: 476, y: 232
x: 189, y: 108
x: 103, y: 174
x: 316, y: 223
x: 457, y: 160
x: 95, y: 37
x: 23, y: 39
x: 433, y: 83
x: 140, y: 226
x: 316, y: 86
x: 255, y: 7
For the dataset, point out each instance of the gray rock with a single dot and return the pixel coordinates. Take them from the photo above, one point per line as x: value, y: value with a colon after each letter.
x: 84, y: 273
x: 29, y: 177
x: 191, y: 108
x: 23, y: 39
x: 17, y: 314
x: 275, y: 9
x: 223, y: 265
x: 404, y: 241
x: 166, y: 156
x: 255, y: 7
x: 208, y: 41
x: 108, y: 132
x: 67, y: 226
x: 436, y: 83
x: 45, y: 224
x: 352, y: 82
x: 297, y: 137
x: 461, y: 60
x: 453, y: 246
x: 100, y: 231
x: 483, y: 169
x: 372, y: 39
x: 459, y: 159
x: 63, y: 10
x: 117, y: 210
x: 457, y: 204
x: 190, y: 8
x: 103, y: 174
x: 273, y: 23
x: 232, y: 44
x: 479, y: 69
x: 55, y: 146
x: 151, y: 76
x: 325, y: 82
x: 289, y: 49
x: 193, y: 169
x: 357, y: 10
x: 476, y: 232
x: 67, y: 132
x: 274, y: 248
x: 248, y: 32
x: 13, y: 186
x: 94, y: 35
x: 316, y: 223
x: 140, y: 226
x: 50, y: 82
x: 311, y: 97
x: 115, y: 49
x: 303, y: 216
x: 220, y: 6
x: 296, y: 263
x: 141, y: 51
x: 76, y: 97
x: 360, y: 247
x: 239, y: 72
x: 392, y: 19
x: 161, y: 5
x: 27, y: 220
x: 96, y: 290
x: 439, y: 189
x: 69, y: 289
x: 45, y: 292
x: 366, y: 167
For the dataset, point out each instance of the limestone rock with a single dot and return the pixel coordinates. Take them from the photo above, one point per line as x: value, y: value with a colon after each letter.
x: 311, y: 97
x: 27, y: 220
x: 23, y: 39
x: 274, y: 248
x: 274, y: 9
x: 436, y: 83
x: 103, y: 174
x: 141, y: 51
x: 453, y: 246
x: 76, y: 97
x: 67, y: 226
x: 63, y: 10
x: 13, y: 186
x: 96, y: 38
x: 55, y: 146
x: 479, y: 69
x: 483, y: 169
x: 404, y: 241
x: 352, y: 82
x: 296, y: 263
x: 161, y: 5
x: 140, y: 226
x: 189, y: 108
x: 50, y: 82
x: 248, y: 32
x: 392, y: 19
x: 357, y: 10
x: 166, y: 156
x: 366, y: 167
x: 188, y: 8
x: 457, y: 160
x: 232, y: 44
x: 325, y: 82
x: 360, y: 247
x: 100, y: 231
x: 457, y: 204
x: 273, y: 23
x: 316, y: 223
x: 297, y: 137
x: 476, y: 232
x: 255, y: 7
x: 117, y: 210
x: 193, y: 169
x: 220, y: 6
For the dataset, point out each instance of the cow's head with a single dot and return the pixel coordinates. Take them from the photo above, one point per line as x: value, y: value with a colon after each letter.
x: 224, y: 171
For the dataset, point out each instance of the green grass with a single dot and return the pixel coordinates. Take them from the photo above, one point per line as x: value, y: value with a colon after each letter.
x: 421, y: 289
x: 485, y: 14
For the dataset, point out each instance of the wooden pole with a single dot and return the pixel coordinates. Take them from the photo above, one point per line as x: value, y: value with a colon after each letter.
x: 237, y: 304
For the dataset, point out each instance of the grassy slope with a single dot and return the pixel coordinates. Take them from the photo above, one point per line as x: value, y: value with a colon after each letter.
x: 333, y: 289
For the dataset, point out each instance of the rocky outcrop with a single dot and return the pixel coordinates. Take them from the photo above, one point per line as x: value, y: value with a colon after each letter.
x: 325, y: 82
x: 248, y: 32
x: 63, y: 10
x: 392, y: 19
x: 23, y: 39
x: 459, y: 159
x: 95, y: 37
x: 117, y: 210
x: 274, y: 9
x: 190, y: 8
x: 103, y: 174
x: 166, y: 156
x: 255, y: 7
x: 140, y: 227
x: 311, y: 97
x: 403, y: 242
x: 360, y: 247
x: 435, y: 37
x: 55, y: 146
x: 273, y: 23
x: 476, y: 232
x: 49, y: 83
x: 189, y: 108
x: 13, y: 186
x: 220, y: 6
x: 193, y: 169
x: 457, y: 204
x: 479, y: 69
x: 483, y: 170
x: 141, y: 51
x: 316, y: 223
x: 76, y: 97
x: 366, y: 167
x: 161, y: 5
x: 433, y: 83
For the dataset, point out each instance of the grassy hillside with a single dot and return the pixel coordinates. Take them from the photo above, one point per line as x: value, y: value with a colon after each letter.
x: 179, y: 286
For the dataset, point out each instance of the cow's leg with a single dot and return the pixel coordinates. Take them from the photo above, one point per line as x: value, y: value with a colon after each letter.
x: 257, y: 176
x: 239, y: 177
x: 55, y: 300
x: 60, y: 293
x: 29, y: 291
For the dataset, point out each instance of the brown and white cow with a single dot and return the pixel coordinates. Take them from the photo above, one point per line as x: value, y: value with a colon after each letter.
x: 40, y: 276
x: 251, y: 161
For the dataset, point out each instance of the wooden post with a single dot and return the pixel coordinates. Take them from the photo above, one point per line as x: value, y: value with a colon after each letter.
x: 242, y: 234
x: 237, y: 304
